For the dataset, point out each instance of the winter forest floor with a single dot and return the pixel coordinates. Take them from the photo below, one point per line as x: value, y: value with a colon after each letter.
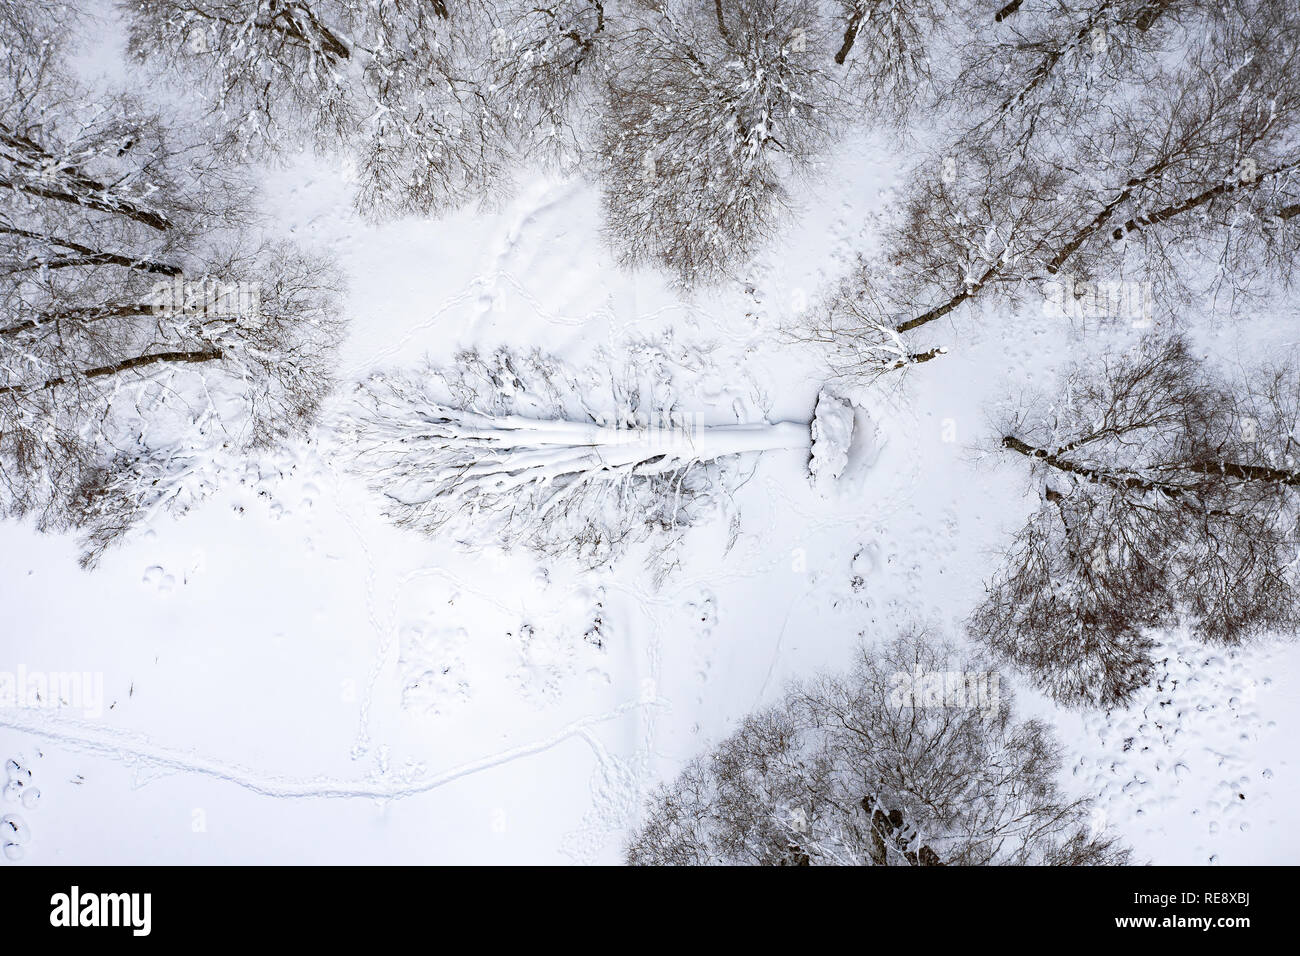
x: 288, y: 677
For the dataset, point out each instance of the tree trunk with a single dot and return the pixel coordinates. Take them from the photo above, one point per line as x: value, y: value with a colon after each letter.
x: 138, y: 361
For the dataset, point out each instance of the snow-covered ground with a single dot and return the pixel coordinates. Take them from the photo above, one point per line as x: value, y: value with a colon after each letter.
x: 288, y: 677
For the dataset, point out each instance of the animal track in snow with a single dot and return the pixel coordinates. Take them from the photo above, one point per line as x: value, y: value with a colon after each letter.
x: 431, y: 668
x: 157, y: 578
x: 15, y: 835
x: 1195, y: 727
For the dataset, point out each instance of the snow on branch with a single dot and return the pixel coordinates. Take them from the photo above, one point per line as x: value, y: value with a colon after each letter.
x: 552, y: 460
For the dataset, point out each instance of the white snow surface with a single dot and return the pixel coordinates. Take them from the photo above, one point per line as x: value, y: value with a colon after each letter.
x: 289, y: 678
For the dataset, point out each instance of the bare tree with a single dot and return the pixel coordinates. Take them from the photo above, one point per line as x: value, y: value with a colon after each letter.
x: 709, y: 108
x: 275, y: 72
x: 140, y: 317
x: 440, y: 133
x: 402, y: 86
x: 693, y: 114
x: 966, y: 232
x: 913, y: 758
x: 546, y: 62
x: 1168, y: 495
x: 1194, y: 174
x: 1037, y: 67
x: 558, y: 461
x: 435, y: 103
x: 887, y: 48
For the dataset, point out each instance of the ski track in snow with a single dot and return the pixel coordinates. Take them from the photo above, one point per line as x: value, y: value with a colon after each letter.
x: 137, y: 751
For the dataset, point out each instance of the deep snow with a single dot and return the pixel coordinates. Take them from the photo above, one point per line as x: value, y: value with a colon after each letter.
x: 287, y: 677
